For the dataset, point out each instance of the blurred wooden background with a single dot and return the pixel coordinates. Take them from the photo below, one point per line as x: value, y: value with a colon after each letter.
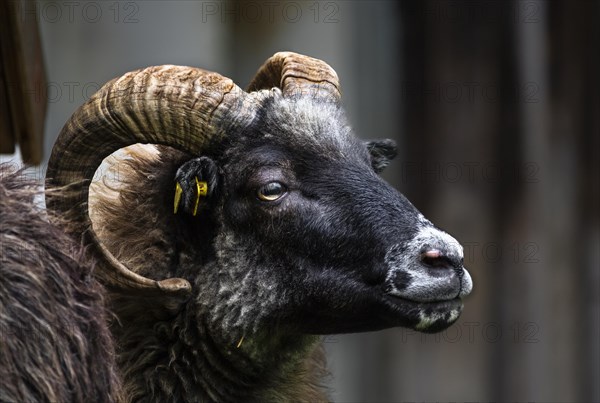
x: 22, y: 84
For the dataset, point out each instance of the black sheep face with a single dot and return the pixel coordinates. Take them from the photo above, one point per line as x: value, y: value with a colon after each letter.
x: 313, y: 240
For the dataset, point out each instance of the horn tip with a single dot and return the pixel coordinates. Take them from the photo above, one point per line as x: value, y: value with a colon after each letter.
x: 175, y: 285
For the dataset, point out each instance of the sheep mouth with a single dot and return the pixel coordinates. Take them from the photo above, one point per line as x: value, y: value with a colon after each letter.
x: 450, y: 303
x: 428, y: 283
x: 428, y: 317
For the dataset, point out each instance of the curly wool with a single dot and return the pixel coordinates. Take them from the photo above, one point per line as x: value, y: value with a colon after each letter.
x: 54, y: 341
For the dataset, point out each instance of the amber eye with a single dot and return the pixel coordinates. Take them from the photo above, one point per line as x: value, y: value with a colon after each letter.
x: 271, y: 191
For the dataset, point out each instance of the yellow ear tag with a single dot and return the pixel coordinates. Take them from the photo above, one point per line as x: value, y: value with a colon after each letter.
x: 240, y: 342
x: 201, y: 190
x: 178, y: 192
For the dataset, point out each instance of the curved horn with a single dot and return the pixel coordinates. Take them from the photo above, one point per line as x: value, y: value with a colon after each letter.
x: 297, y: 74
x: 182, y: 107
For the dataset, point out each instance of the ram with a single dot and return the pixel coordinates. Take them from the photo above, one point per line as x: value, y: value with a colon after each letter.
x: 55, y: 345
x: 257, y: 224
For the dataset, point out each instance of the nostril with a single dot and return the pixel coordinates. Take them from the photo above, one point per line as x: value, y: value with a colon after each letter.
x: 432, y: 254
x: 435, y: 258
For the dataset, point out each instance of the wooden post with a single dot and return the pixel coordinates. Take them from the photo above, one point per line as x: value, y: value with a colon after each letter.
x: 22, y: 82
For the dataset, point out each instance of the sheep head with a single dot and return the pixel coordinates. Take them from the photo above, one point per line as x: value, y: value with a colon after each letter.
x: 304, y: 226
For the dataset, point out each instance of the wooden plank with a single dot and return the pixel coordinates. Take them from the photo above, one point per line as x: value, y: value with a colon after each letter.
x: 7, y: 132
x: 23, y: 107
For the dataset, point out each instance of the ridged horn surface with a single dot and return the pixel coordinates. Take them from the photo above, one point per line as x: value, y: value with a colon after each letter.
x: 182, y: 107
x: 297, y: 75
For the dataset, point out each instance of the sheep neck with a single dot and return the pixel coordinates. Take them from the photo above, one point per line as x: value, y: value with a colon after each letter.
x: 180, y: 359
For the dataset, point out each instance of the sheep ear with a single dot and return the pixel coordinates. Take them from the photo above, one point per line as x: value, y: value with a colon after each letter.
x: 382, y: 153
x: 195, y: 182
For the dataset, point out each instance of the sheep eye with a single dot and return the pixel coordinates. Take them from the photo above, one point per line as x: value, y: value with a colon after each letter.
x: 271, y: 191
